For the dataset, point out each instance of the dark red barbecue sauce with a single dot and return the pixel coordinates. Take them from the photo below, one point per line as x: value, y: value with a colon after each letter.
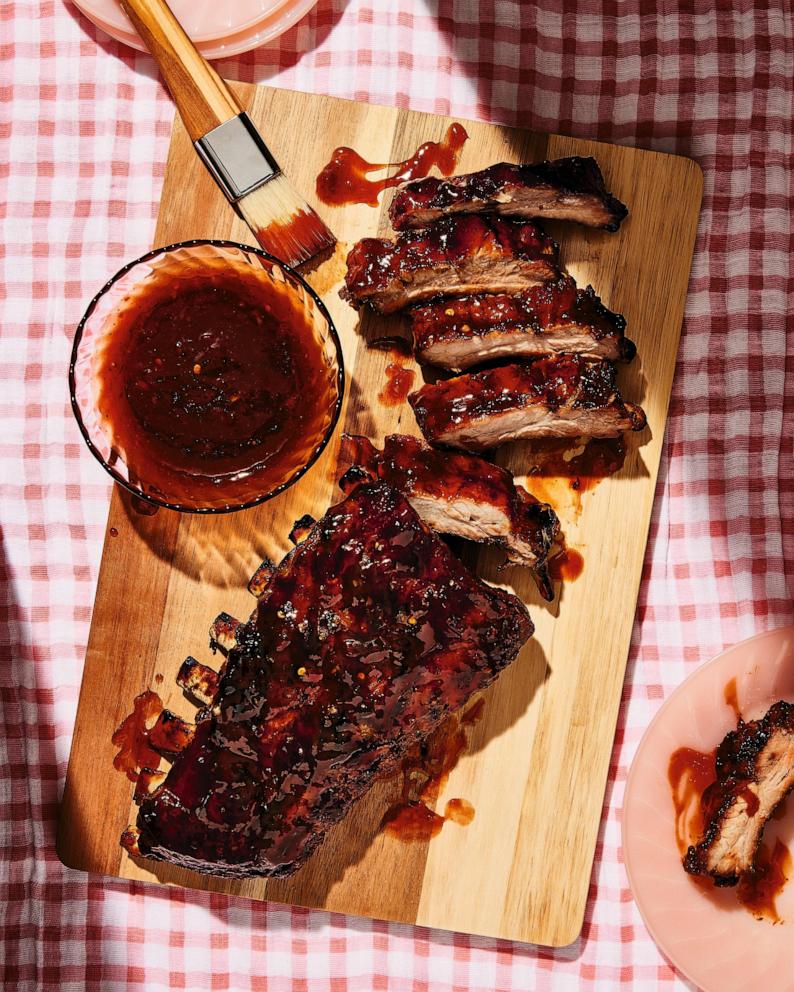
x: 345, y: 179
x: 758, y: 891
x: 566, y: 567
x: 132, y: 737
x: 600, y: 458
x: 425, y: 773
x: 215, y: 386
x: 689, y: 773
x: 399, y: 381
x: 731, y: 698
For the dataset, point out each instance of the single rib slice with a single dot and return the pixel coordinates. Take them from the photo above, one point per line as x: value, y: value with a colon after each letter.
x: 566, y: 189
x: 548, y: 319
x: 564, y: 396
x: 755, y: 773
x: 456, y: 255
x: 367, y: 635
x: 463, y: 495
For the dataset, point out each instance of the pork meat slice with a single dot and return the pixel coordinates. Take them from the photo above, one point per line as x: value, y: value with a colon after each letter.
x: 462, y: 495
x: 552, y: 318
x: 755, y: 773
x: 559, y: 397
x: 464, y: 254
x: 566, y: 189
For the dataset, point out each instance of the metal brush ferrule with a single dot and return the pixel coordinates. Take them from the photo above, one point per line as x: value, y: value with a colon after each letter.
x: 237, y: 157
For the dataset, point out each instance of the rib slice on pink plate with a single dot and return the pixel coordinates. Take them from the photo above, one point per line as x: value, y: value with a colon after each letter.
x: 711, y: 934
x: 217, y: 29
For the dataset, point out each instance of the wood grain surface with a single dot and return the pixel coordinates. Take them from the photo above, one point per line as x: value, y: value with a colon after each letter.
x: 537, y: 761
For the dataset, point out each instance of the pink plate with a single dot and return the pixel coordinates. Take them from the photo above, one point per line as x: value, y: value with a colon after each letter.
x: 218, y: 28
x: 708, y: 935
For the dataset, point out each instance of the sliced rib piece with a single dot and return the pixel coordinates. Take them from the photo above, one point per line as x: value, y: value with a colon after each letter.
x: 465, y: 496
x: 549, y: 319
x: 368, y: 634
x: 755, y: 773
x: 456, y: 255
x: 564, y: 396
x: 566, y: 189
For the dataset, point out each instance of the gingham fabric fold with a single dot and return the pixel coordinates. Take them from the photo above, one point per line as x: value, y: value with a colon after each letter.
x: 83, y: 136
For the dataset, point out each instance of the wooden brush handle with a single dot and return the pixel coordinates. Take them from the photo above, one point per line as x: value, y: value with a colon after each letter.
x: 203, y: 99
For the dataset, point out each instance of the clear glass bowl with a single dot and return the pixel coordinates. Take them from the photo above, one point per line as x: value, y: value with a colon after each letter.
x: 184, y: 260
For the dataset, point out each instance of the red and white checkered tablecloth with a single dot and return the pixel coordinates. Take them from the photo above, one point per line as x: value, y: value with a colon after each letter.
x: 83, y: 136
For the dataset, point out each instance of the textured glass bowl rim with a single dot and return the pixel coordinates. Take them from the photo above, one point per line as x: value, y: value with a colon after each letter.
x: 340, y: 377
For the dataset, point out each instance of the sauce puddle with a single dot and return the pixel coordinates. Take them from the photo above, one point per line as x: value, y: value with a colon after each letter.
x: 345, y: 179
x: 560, y: 472
x: 425, y: 773
x: 566, y: 567
x: 132, y: 737
x: 399, y: 380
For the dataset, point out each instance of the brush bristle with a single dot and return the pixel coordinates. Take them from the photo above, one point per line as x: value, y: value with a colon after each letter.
x: 284, y: 223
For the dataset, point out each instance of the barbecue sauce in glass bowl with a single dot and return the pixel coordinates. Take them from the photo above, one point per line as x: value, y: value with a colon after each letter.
x: 216, y: 383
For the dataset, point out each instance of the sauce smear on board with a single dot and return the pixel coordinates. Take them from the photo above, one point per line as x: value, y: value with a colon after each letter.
x: 132, y: 737
x: 214, y: 386
x: 566, y: 567
x: 345, y: 179
x: 425, y: 773
x: 399, y: 380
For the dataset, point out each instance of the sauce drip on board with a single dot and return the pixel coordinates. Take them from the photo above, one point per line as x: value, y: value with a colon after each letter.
x: 584, y: 466
x: 425, y: 773
x: 214, y: 386
x: 566, y: 567
x: 560, y: 472
x: 345, y: 179
x: 132, y: 737
x: 399, y: 380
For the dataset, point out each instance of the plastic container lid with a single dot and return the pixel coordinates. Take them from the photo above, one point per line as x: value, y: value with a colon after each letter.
x: 218, y: 28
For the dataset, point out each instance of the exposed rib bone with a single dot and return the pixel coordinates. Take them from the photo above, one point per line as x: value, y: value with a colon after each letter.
x: 148, y: 780
x: 129, y: 841
x: 170, y: 734
x: 197, y: 679
x: 261, y: 578
x: 223, y: 632
x: 300, y: 529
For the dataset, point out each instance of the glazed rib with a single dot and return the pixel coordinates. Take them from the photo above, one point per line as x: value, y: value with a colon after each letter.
x: 548, y: 319
x: 755, y: 773
x: 564, y: 396
x: 367, y: 635
x: 565, y: 189
x: 464, y: 496
x: 456, y: 255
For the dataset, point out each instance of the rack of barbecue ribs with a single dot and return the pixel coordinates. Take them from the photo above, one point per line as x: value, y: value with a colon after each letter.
x: 559, y: 397
x: 570, y: 189
x: 460, y: 254
x: 552, y: 318
x: 755, y: 773
x: 464, y: 496
x: 365, y: 637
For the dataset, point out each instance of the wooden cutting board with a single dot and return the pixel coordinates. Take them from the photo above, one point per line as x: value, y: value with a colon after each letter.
x: 536, y: 766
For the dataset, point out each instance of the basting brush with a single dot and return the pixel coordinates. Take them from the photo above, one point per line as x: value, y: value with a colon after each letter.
x: 227, y: 140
